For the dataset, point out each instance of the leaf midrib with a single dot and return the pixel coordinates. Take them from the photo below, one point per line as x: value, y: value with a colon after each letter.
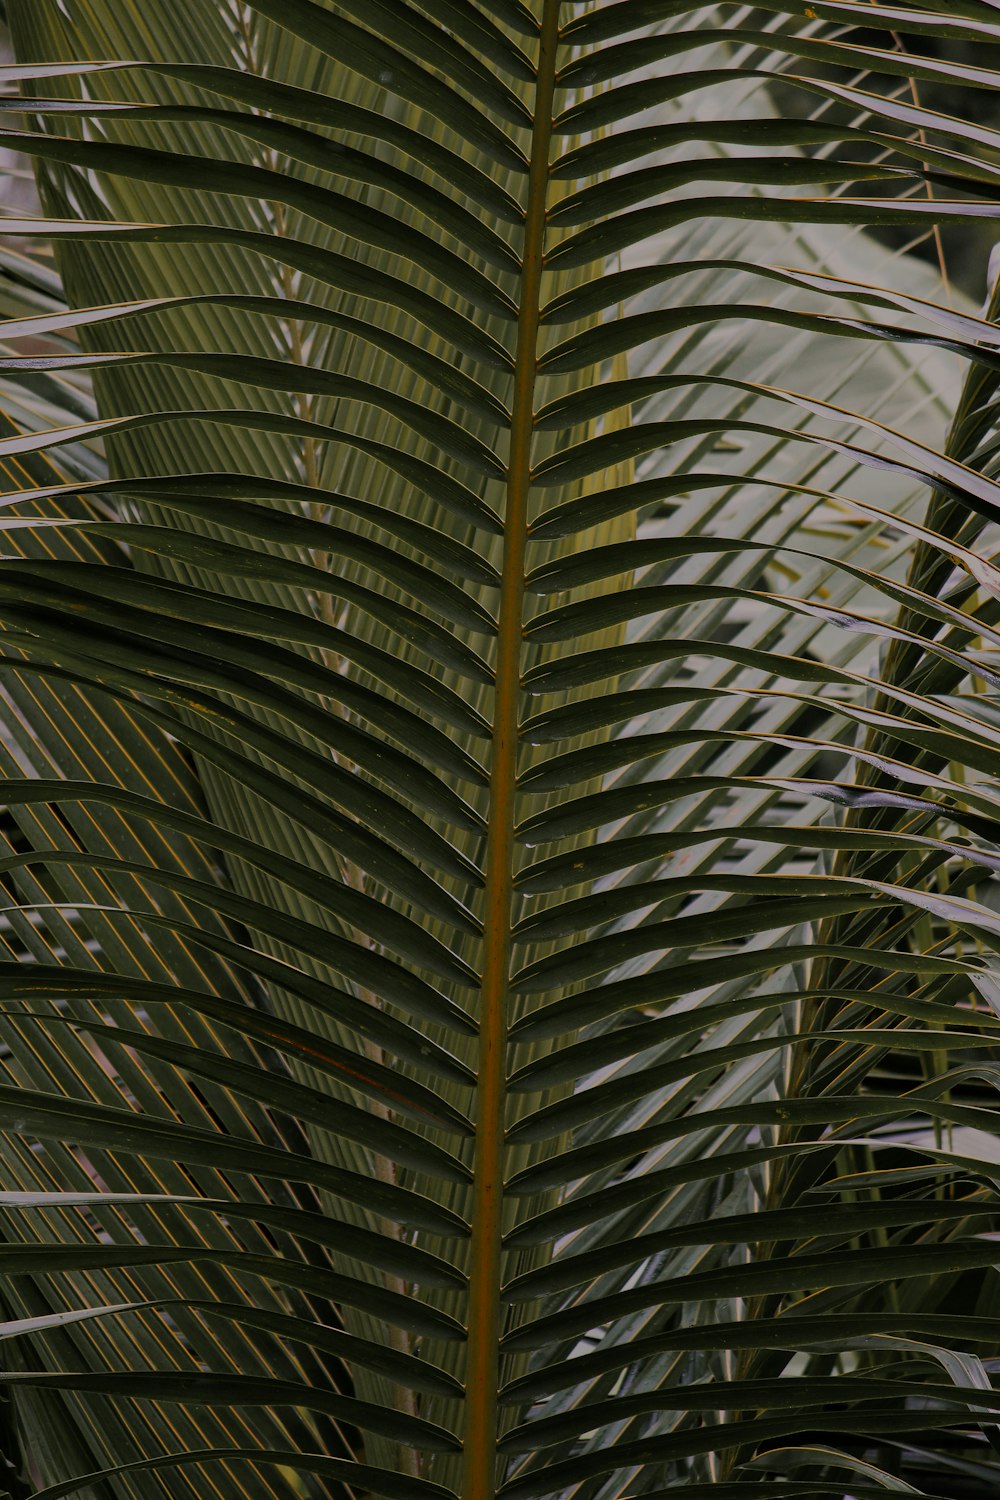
x: 481, y: 1411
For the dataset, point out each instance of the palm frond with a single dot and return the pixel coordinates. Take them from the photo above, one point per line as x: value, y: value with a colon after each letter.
x: 499, y: 859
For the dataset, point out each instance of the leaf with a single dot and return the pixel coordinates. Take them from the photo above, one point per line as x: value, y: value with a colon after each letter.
x: 468, y: 429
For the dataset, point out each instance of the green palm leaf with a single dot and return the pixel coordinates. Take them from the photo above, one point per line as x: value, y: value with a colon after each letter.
x: 500, y: 817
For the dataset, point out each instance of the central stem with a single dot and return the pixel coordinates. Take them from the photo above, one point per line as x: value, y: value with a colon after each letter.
x: 480, y: 1446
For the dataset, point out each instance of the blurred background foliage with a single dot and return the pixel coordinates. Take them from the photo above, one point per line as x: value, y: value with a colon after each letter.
x: 961, y: 251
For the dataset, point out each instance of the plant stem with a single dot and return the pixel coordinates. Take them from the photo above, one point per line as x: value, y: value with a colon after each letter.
x: 481, y: 1412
